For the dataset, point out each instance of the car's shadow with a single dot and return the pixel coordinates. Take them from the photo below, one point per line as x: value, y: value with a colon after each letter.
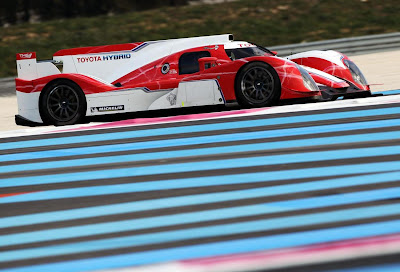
x: 159, y: 113
x: 181, y: 111
x: 141, y: 114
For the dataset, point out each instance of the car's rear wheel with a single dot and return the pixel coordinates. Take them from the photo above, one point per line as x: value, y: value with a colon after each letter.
x: 62, y: 103
x: 257, y: 85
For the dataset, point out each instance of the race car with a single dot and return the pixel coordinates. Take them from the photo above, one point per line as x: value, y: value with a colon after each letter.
x: 176, y: 73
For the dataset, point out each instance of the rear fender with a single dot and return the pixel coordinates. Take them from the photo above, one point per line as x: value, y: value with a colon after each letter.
x: 88, y: 84
x: 29, y: 92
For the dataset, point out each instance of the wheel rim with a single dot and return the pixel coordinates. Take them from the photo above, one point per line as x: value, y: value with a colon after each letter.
x: 63, y: 103
x: 257, y: 85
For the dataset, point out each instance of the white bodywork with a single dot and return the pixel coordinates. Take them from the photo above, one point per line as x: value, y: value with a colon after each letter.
x: 188, y: 94
x: 28, y: 106
x: 29, y: 69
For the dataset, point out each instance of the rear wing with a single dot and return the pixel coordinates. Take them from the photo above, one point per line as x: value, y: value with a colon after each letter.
x: 29, y: 68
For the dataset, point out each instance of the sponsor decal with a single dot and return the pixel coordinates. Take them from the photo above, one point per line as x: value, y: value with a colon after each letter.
x: 165, y: 68
x: 25, y: 55
x: 103, y: 58
x: 107, y: 108
x: 211, y: 48
x: 171, y: 98
x: 246, y: 45
x: 173, y: 72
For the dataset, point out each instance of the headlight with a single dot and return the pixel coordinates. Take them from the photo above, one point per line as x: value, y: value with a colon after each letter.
x: 307, y: 79
x: 355, y: 72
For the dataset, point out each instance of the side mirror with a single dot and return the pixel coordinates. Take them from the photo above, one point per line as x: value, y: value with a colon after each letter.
x: 274, y: 52
x: 207, y: 62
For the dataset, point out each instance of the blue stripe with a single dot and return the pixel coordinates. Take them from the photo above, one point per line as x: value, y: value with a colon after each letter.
x: 299, y: 157
x: 171, y: 202
x: 192, y: 166
x: 140, y: 47
x: 196, y: 128
x: 193, y: 217
x: 224, y: 180
x: 212, y: 139
x: 185, y: 234
x: 389, y: 92
x: 221, y: 248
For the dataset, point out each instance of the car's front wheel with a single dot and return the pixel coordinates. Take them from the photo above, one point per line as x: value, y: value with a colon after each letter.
x: 257, y: 85
x: 62, y: 102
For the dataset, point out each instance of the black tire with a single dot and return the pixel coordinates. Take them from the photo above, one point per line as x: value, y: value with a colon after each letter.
x: 61, y: 103
x: 257, y: 85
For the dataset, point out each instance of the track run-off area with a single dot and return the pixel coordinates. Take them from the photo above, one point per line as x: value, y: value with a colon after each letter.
x: 311, y: 187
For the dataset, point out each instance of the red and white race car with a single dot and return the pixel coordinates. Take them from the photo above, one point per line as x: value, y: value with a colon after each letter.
x: 174, y: 73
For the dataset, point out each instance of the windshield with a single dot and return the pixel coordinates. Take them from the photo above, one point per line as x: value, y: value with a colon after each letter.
x: 239, y: 53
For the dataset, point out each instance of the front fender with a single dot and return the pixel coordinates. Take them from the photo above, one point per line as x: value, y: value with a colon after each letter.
x: 289, y: 75
x: 330, y: 62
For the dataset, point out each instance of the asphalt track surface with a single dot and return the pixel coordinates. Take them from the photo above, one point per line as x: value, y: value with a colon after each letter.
x: 132, y: 196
